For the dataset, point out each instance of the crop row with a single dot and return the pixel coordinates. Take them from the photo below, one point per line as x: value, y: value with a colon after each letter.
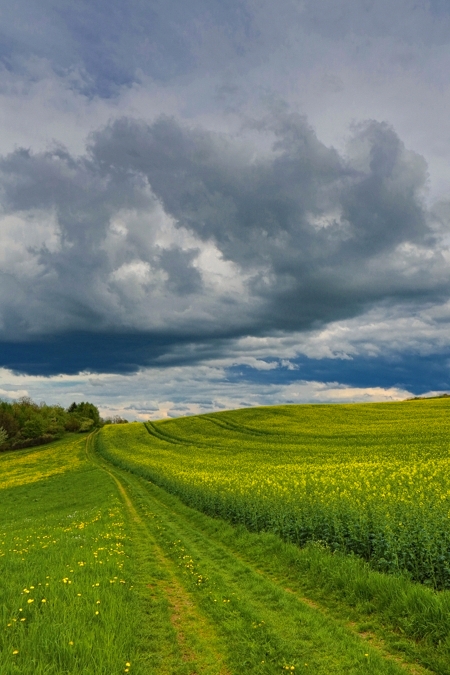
x: 372, y: 480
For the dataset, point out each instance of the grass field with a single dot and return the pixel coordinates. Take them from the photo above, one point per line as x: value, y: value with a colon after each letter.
x: 109, y: 573
x: 63, y: 563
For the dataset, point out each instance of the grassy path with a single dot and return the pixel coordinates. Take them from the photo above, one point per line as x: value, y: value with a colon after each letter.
x: 196, y: 647
x: 228, y: 613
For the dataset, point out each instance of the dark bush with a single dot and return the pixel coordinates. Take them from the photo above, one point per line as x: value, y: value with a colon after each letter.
x: 31, y: 442
x: 72, y: 423
x: 33, y: 428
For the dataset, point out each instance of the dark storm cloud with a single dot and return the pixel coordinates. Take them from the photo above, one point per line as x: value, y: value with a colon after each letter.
x: 317, y: 230
x: 410, y: 372
x: 183, y: 278
x: 311, y: 237
x: 94, y: 352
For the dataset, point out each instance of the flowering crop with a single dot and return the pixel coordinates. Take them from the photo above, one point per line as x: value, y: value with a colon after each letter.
x: 372, y: 479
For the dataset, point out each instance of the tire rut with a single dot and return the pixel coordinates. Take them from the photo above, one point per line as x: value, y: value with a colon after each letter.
x: 266, y: 589
x: 190, y: 625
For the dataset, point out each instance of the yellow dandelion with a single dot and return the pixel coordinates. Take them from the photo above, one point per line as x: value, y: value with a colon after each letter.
x: 96, y: 612
x: 128, y: 664
x: 30, y: 600
x: 16, y: 651
x: 70, y: 642
x: 43, y: 600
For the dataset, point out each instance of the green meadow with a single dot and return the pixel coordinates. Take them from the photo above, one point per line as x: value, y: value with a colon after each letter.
x: 296, y: 538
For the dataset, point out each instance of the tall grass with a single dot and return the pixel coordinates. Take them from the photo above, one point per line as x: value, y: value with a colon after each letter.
x: 65, y: 601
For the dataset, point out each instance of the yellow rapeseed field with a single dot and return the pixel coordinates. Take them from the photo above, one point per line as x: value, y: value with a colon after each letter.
x: 372, y: 479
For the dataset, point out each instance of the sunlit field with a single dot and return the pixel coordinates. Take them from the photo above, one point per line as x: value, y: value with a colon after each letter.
x: 370, y: 479
x: 156, y: 550
x: 63, y: 564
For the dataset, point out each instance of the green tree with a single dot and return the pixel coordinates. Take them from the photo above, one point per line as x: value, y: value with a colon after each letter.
x: 33, y: 427
x: 86, y: 410
x: 86, y: 424
x: 7, y: 419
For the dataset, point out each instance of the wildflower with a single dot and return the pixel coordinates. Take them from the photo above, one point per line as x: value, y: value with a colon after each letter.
x: 30, y: 600
x: 43, y: 600
x: 16, y: 651
x: 70, y: 642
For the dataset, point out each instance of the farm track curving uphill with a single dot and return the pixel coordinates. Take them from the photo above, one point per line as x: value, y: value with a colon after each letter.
x: 161, y: 435
x: 228, y: 425
x: 230, y: 616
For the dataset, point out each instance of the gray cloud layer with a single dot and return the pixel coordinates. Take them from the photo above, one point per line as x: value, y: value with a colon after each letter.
x: 112, y: 42
x: 166, y: 229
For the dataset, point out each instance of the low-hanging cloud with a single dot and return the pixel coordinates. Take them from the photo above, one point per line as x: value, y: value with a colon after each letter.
x: 173, y: 236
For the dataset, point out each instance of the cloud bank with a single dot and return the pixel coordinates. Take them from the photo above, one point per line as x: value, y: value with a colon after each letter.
x: 164, y: 238
x: 253, y: 189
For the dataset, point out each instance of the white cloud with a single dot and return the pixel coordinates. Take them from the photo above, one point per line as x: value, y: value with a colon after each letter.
x: 159, y: 393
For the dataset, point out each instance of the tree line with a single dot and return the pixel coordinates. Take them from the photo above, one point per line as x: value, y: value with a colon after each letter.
x: 24, y: 423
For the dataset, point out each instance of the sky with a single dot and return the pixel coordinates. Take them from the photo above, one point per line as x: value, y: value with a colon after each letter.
x: 224, y: 203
